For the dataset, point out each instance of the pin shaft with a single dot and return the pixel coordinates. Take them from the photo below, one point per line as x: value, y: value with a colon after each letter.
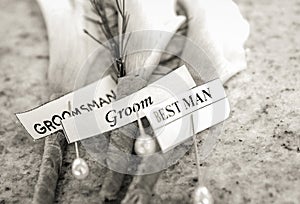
x: 76, y: 145
x: 196, y: 149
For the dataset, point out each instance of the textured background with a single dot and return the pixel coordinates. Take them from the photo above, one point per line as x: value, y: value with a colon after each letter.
x: 257, y: 159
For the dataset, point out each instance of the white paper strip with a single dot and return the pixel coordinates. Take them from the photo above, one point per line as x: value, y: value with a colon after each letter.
x: 123, y: 112
x: 176, y: 107
x: 45, y: 120
x: 171, y: 119
x: 176, y: 132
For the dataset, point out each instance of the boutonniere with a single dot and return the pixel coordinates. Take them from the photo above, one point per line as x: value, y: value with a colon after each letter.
x: 215, y: 26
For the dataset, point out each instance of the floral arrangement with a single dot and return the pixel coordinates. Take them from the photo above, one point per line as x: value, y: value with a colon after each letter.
x: 76, y: 29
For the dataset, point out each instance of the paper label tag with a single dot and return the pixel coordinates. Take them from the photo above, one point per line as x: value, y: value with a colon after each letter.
x: 171, y: 119
x: 180, y: 130
x: 185, y: 103
x: 123, y: 112
x: 45, y: 120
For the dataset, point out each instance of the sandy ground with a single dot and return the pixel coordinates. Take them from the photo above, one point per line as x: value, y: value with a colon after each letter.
x: 257, y: 159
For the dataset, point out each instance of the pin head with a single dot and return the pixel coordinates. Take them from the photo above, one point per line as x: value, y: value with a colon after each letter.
x: 80, y: 169
x: 202, y: 196
x: 144, y: 145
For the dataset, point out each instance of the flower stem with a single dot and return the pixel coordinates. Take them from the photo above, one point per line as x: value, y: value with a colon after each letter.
x: 55, y: 145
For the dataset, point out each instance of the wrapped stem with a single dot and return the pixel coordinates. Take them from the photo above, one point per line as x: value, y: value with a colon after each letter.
x: 55, y: 145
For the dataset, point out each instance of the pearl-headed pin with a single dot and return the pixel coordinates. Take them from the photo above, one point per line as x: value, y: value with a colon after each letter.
x: 80, y: 169
x: 144, y: 144
x: 201, y: 194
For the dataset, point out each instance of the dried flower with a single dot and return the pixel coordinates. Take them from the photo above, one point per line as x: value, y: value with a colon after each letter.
x: 219, y: 28
x: 69, y: 47
x: 150, y: 15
